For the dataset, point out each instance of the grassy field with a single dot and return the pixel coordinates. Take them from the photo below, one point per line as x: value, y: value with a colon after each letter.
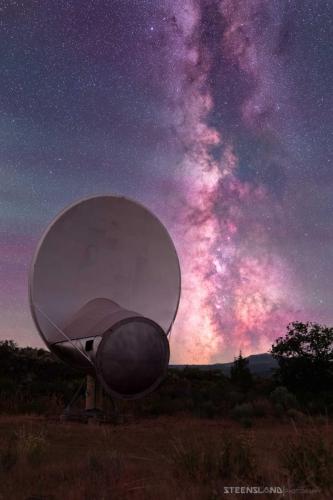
x: 163, y: 458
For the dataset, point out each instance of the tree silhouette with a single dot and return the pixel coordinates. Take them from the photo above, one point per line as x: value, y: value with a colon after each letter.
x: 240, y: 373
x: 305, y: 357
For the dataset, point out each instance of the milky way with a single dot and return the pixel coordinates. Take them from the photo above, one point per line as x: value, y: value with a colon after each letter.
x: 215, y: 114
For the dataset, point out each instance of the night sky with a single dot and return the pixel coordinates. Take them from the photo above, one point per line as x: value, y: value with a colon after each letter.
x: 217, y: 115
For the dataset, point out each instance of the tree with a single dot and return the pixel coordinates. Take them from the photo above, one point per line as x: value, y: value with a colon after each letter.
x: 8, y: 353
x: 240, y: 373
x: 305, y: 357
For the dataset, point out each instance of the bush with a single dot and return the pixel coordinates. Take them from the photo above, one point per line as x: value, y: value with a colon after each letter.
x: 321, y: 402
x: 296, y: 415
x: 208, y: 409
x: 261, y: 408
x: 235, y: 397
x: 279, y: 410
x: 281, y: 396
x: 246, y: 422
x: 244, y: 410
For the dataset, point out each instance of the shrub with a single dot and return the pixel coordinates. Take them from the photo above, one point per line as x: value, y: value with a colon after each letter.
x: 296, y: 415
x: 279, y: 410
x: 281, y: 396
x: 261, y: 408
x: 208, y: 409
x: 321, y: 402
x: 246, y: 422
x: 244, y: 410
x: 235, y: 397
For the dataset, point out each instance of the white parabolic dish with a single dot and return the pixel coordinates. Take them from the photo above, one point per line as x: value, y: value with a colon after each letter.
x: 103, y: 247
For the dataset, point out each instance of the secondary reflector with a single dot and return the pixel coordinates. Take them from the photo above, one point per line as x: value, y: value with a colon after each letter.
x: 104, y: 291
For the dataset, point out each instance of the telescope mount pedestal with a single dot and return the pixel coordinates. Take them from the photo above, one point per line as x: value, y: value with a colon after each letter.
x: 93, y: 412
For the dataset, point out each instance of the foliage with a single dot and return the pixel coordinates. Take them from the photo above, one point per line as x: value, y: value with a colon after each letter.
x: 35, y: 381
x: 282, y: 397
x: 31, y: 379
x: 296, y: 415
x: 305, y: 357
x: 261, y: 408
x: 240, y: 373
x: 244, y: 410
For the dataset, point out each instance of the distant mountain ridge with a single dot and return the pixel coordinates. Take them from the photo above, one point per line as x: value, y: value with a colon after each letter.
x: 259, y: 364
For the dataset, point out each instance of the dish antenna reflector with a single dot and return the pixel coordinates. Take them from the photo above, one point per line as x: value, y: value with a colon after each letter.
x: 104, y: 292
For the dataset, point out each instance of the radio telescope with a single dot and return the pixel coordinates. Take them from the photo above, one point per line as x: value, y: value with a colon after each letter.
x: 104, y: 290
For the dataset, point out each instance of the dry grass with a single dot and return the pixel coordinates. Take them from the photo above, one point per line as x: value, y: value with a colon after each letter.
x: 165, y: 458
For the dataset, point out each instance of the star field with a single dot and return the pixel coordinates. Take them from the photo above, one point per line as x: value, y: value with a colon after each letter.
x: 215, y: 114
